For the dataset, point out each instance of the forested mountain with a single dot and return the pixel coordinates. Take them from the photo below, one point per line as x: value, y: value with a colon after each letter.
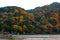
x: 53, y: 6
x: 41, y: 20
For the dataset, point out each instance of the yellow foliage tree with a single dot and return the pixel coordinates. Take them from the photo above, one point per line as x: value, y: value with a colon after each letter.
x: 20, y: 28
x: 23, y: 12
x: 21, y: 19
x: 24, y: 27
x: 15, y: 27
x: 30, y: 16
x: 16, y: 11
x: 52, y: 18
x: 58, y: 27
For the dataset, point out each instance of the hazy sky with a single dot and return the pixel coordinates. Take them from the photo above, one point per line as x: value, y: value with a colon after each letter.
x: 26, y: 4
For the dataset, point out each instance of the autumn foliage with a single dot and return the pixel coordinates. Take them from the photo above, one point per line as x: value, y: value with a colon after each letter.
x: 17, y: 21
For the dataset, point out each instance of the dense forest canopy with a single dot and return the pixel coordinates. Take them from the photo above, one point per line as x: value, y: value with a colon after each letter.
x: 41, y: 20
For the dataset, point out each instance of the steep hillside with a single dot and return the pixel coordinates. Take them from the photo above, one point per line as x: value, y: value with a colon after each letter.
x: 41, y: 20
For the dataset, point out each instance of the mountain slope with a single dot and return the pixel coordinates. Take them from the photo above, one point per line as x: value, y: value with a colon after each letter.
x: 41, y: 20
x: 52, y: 6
